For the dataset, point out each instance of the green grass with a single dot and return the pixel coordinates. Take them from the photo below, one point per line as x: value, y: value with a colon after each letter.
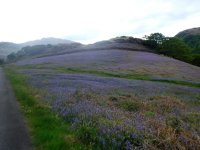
x: 150, y: 114
x: 185, y: 83
x: 134, y: 76
x: 48, y: 131
x: 126, y: 76
x: 102, y: 73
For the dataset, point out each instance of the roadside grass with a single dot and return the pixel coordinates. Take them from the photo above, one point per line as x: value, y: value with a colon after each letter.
x: 48, y: 131
x: 134, y: 76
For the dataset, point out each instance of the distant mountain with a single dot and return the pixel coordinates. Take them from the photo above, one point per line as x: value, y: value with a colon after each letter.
x: 46, y: 41
x: 191, y: 37
x: 43, y: 50
x: 7, y: 48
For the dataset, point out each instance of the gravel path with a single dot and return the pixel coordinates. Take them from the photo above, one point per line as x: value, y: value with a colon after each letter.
x: 13, y: 133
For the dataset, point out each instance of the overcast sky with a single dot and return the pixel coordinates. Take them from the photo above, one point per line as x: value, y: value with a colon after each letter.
x: 88, y: 21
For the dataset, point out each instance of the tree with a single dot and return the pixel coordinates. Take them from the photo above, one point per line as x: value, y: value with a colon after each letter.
x: 1, y: 61
x: 196, y: 60
x: 176, y: 48
x: 11, y: 57
x: 154, y: 40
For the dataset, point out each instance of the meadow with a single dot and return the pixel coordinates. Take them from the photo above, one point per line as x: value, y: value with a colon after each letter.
x: 116, y: 99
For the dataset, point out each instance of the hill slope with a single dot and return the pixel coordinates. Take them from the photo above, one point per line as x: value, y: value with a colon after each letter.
x: 118, y: 61
x: 191, y: 37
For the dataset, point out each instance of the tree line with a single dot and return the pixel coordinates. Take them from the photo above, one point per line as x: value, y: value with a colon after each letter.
x: 172, y: 47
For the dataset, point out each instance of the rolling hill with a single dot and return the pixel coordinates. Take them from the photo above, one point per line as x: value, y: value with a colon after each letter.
x: 122, y: 43
x: 191, y: 37
x: 8, y: 47
x: 117, y: 56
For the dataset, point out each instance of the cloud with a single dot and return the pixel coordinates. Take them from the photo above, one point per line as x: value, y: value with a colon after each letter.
x: 91, y: 20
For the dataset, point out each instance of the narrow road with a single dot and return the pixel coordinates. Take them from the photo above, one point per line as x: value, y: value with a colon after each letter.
x: 13, y: 133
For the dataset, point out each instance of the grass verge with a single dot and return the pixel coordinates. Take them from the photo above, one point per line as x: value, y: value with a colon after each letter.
x: 48, y: 131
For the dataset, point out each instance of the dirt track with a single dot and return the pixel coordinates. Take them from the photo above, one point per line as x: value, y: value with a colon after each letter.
x: 13, y: 133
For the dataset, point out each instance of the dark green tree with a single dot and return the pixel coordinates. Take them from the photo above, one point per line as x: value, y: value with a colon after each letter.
x: 154, y: 40
x: 196, y: 60
x: 11, y: 57
x: 176, y: 48
x: 157, y: 37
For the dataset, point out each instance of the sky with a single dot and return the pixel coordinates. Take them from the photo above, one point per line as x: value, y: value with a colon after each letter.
x: 88, y: 21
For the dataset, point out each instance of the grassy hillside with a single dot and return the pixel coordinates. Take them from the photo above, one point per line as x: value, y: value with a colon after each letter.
x: 123, y: 43
x: 120, y: 62
x: 192, y: 38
